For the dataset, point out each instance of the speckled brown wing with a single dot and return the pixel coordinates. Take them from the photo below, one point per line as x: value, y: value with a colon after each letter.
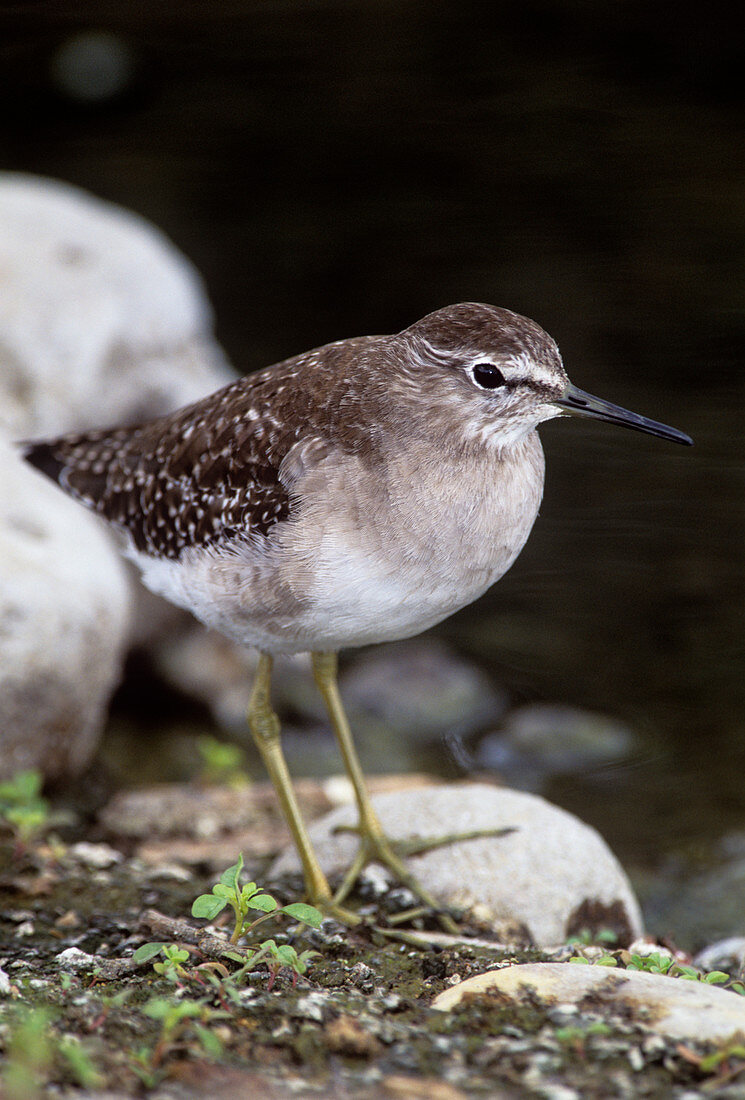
x: 206, y: 474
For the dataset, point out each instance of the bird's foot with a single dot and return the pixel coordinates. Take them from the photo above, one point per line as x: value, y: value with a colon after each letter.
x: 375, y: 847
x: 331, y: 907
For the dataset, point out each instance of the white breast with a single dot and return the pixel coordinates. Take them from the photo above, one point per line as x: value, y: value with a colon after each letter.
x: 369, y: 557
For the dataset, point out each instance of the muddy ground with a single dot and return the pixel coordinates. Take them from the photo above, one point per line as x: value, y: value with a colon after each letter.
x: 78, y: 1017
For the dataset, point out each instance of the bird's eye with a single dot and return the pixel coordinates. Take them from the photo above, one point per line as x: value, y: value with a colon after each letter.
x: 487, y: 376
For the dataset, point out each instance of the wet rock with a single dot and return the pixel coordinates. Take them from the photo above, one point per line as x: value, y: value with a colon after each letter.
x: 550, y: 878
x: 174, y: 809
x: 702, y: 903
x: 102, y: 320
x: 396, y: 697
x: 727, y: 955
x: 208, y: 667
x: 682, y: 1010
x: 536, y: 741
x: 64, y: 613
x: 419, y: 689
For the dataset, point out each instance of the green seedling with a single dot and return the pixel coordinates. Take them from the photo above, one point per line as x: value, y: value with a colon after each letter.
x: 222, y: 763
x: 177, y: 1020
x: 175, y: 957
x: 655, y: 963
x: 22, y: 807
x: 733, y: 1051
x: 245, y: 899
x: 277, y: 957
x: 29, y: 1055
x: 78, y: 1063
x: 658, y: 963
x: 575, y: 1036
x: 586, y: 936
x: 36, y: 1054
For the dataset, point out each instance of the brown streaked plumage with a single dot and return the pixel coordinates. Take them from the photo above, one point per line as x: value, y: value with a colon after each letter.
x: 357, y: 493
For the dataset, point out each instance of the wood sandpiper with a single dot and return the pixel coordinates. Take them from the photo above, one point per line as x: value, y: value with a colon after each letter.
x: 358, y: 493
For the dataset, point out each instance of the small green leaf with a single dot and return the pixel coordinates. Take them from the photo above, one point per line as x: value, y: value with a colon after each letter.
x: 147, y: 952
x: 208, y: 906
x: 607, y: 935
x: 308, y: 914
x: 716, y: 977
x: 581, y: 959
x: 220, y: 890
x: 210, y: 1042
x: 236, y: 956
x: 263, y: 902
x: 176, y: 954
x: 231, y: 877
x: 162, y: 1008
x: 606, y: 960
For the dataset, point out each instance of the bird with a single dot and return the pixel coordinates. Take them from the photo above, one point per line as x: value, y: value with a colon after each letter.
x: 357, y: 493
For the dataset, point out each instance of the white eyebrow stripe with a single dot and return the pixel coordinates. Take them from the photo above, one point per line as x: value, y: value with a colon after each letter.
x: 443, y: 355
x: 518, y: 368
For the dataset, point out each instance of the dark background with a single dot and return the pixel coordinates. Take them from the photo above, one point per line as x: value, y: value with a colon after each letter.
x: 335, y: 169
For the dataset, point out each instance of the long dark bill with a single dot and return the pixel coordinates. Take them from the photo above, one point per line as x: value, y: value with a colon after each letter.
x: 579, y: 403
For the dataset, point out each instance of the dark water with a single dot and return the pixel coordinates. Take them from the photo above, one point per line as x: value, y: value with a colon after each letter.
x: 340, y: 168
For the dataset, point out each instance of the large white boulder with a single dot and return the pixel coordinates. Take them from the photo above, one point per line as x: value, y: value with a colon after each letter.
x: 550, y: 878
x: 102, y: 320
x: 64, y: 604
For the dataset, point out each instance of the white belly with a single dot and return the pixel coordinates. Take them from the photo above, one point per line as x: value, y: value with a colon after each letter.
x: 366, y: 562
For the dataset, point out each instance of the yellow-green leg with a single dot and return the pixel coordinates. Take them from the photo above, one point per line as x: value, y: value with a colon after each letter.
x: 265, y: 730
x: 374, y: 845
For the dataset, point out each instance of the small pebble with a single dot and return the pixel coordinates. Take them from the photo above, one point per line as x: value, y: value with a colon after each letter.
x: 636, y: 1059
x: 72, y: 958
x: 96, y: 855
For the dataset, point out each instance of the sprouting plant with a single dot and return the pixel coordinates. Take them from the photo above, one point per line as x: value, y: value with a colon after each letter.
x: 29, y: 1055
x: 658, y: 962
x: 576, y: 1037
x: 243, y: 899
x: 587, y: 936
x: 221, y: 762
x: 37, y: 1054
x: 654, y: 963
x: 78, y: 1062
x: 732, y: 1051
x: 22, y: 806
x: 175, y: 957
x: 276, y: 957
x: 177, y: 1019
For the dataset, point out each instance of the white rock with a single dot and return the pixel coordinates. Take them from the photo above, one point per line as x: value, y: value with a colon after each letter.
x: 63, y: 621
x: 726, y: 954
x: 102, y: 320
x: 72, y: 958
x: 96, y: 855
x: 682, y: 1010
x: 549, y: 877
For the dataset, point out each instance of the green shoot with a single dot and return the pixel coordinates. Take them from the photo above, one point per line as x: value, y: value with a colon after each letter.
x: 243, y: 899
x: 222, y: 763
x: 22, y: 807
x: 175, y: 957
